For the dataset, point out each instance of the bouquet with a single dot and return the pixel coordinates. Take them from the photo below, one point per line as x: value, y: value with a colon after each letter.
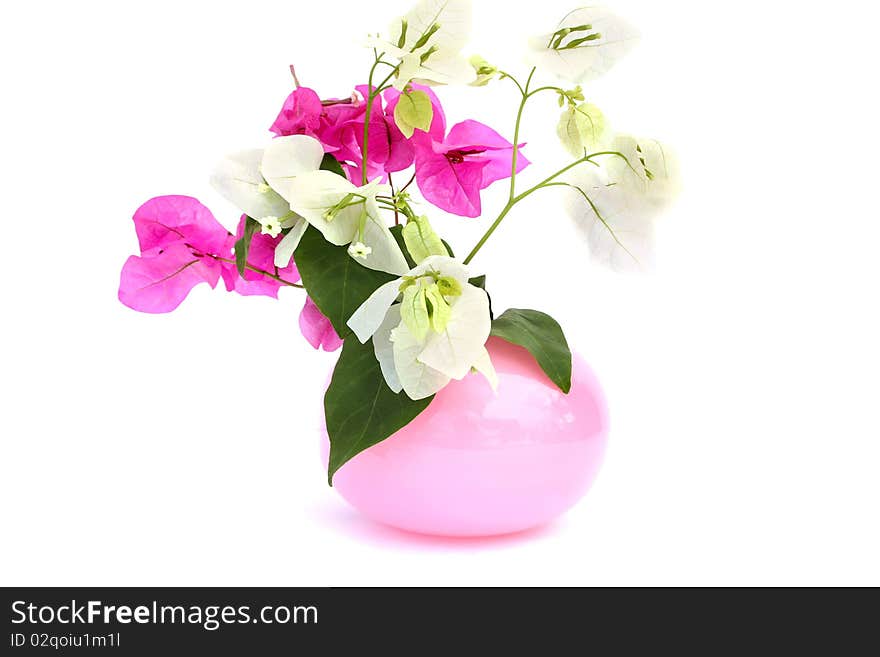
x: 322, y: 210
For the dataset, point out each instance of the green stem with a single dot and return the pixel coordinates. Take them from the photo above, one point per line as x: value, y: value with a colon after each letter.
x: 515, y: 158
x: 369, y: 110
x: 513, y: 200
x: 547, y: 182
x: 519, y: 115
x: 488, y: 234
x: 540, y: 89
x: 514, y: 80
x: 263, y: 272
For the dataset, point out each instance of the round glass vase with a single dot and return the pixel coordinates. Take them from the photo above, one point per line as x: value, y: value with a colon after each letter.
x: 481, y: 463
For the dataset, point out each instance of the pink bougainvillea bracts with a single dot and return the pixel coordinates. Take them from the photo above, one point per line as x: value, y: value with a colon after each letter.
x: 451, y: 172
x: 300, y: 114
x: 182, y: 245
x: 178, y: 237
x: 339, y: 126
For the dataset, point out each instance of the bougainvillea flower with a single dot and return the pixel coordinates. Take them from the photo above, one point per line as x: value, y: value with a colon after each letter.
x: 616, y: 205
x: 256, y: 180
x: 348, y: 214
x: 587, y: 43
x: 451, y: 173
x: 317, y: 329
x: 428, y: 42
x: 258, y: 183
x: 436, y: 333
x: 261, y: 255
x: 387, y: 149
x: 300, y: 114
x: 178, y: 238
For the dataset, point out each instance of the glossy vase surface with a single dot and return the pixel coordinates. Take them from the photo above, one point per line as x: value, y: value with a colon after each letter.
x: 481, y: 463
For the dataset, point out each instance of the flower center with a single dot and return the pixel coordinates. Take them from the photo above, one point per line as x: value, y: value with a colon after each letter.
x: 581, y: 36
x: 458, y: 155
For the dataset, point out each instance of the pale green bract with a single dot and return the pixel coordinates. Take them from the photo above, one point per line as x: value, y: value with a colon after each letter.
x: 413, y: 111
x: 484, y: 71
x: 421, y: 240
x: 437, y: 337
x: 414, y: 311
x: 582, y: 128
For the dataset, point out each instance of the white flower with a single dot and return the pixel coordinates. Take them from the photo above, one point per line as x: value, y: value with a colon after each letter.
x: 617, y: 203
x: 359, y: 250
x: 586, y: 44
x: 436, y: 333
x: 258, y: 183
x: 345, y: 213
x: 270, y: 226
x: 428, y: 42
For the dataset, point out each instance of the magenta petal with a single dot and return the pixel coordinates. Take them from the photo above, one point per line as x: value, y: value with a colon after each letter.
x: 400, y: 150
x: 451, y: 187
x: 500, y: 165
x: 167, y: 219
x: 300, y: 115
x: 352, y: 139
x: 470, y: 133
x: 160, y: 279
x: 332, y: 120
x: 317, y: 329
x: 473, y: 135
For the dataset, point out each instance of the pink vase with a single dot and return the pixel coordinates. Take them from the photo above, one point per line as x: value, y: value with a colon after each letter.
x: 477, y: 463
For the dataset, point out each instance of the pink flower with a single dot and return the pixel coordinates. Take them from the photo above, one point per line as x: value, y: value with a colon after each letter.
x: 388, y: 150
x: 261, y: 255
x: 317, y: 329
x: 178, y: 237
x: 450, y: 173
x: 339, y: 127
x: 182, y: 245
x: 300, y: 115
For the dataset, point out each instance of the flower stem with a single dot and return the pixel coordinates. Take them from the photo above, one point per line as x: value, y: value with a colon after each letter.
x: 514, y: 199
x: 515, y: 158
x: 263, y: 272
x: 369, y: 111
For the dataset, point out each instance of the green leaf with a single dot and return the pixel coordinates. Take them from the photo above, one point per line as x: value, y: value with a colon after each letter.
x: 360, y: 408
x: 421, y: 240
x: 544, y: 339
x: 335, y: 281
x: 330, y: 163
x: 479, y: 281
x: 243, y: 245
x: 414, y: 110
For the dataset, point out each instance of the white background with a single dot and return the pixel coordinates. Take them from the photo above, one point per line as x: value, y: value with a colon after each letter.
x: 183, y: 449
